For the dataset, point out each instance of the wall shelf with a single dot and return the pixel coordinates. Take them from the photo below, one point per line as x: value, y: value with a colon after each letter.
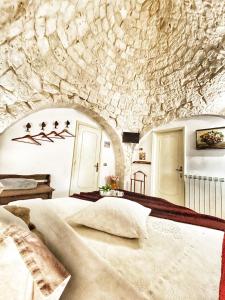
x: 144, y: 162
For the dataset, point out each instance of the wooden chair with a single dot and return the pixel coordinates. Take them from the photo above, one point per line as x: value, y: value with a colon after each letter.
x: 140, y: 178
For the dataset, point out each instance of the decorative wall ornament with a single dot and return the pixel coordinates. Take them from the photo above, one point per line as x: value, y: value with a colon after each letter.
x: 142, y: 154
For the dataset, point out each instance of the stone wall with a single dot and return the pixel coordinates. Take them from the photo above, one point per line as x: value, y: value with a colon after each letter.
x: 134, y: 64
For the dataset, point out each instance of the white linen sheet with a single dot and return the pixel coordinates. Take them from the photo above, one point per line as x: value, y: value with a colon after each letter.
x: 16, y: 281
x: 91, y: 276
x: 13, y: 286
x: 21, y: 254
x: 175, y: 262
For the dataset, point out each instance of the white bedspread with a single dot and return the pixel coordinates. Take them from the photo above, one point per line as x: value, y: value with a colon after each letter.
x: 176, y: 262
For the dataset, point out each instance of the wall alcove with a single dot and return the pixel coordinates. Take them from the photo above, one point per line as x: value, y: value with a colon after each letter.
x: 24, y: 159
x: 201, y: 169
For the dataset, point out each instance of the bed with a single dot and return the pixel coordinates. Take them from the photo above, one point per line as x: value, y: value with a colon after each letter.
x: 42, y: 190
x: 176, y: 260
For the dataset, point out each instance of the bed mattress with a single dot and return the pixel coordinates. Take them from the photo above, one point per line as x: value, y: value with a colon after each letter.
x: 175, y: 261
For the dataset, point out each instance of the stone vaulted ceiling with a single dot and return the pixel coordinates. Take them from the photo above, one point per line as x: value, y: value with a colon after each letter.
x: 135, y: 63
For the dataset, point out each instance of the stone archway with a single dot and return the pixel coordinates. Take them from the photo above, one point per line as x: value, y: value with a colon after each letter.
x: 11, y: 119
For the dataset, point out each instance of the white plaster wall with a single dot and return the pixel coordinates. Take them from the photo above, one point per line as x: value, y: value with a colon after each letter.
x: 209, y: 162
x: 107, y: 157
x: 53, y: 158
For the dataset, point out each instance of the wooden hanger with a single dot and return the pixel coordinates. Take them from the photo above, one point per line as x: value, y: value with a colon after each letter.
x: 29, y: 137
x: 56, y: 135
x: 43, y: 135
x: 66, y: 131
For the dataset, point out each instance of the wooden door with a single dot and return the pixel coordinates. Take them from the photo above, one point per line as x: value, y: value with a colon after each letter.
x: 85, y: 169
x: 169, y: 166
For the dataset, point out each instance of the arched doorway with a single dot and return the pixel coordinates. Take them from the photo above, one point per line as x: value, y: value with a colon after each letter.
x: 112, y: 134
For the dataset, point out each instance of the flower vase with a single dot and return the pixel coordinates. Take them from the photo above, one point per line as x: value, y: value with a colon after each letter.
x: 114, y: 185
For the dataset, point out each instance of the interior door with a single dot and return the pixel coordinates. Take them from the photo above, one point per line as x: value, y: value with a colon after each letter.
x: 86, y: 158
x: 169, y: 165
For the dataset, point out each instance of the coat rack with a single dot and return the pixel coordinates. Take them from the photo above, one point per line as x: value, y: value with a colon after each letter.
x: 44, y: 137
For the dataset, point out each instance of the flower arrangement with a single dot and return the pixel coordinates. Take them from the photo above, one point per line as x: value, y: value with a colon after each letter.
x: 114, y: 180
x: 113, y: 185
x: 105, y: 188
x: 212, y: 137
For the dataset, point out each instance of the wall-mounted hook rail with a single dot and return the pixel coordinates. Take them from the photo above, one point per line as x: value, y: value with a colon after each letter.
x: 28, y: 127
x: 56, y: 124
x: 45, y: 137
x: 43, y: 125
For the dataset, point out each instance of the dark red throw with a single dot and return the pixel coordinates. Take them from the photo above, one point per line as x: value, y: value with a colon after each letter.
x: 167, y: 210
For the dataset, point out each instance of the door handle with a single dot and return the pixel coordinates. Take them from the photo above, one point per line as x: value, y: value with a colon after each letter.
x: 180, y: 169
x: 96, y: 167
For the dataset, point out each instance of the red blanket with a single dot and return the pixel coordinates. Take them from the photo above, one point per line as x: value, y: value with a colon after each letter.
x: 167, y: 210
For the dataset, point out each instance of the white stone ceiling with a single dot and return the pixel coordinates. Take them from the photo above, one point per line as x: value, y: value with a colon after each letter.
x: 135, y: 63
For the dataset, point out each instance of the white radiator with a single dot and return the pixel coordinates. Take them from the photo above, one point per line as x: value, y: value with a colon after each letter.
x: 205, y: 194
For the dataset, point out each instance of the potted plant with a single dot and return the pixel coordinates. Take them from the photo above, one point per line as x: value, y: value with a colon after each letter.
x: 105, y: 190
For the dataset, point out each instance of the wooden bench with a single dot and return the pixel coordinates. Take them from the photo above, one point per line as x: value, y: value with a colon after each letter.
x: 43, y: 189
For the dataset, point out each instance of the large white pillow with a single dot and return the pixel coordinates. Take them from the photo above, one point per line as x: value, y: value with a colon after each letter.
x: 117, y: 216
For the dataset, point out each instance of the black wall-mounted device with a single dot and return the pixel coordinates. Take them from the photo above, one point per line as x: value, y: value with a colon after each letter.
x: 131, y: 137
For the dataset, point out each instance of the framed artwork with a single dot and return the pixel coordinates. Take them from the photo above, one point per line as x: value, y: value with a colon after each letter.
x: 210, y: 138
x: 106, y: 144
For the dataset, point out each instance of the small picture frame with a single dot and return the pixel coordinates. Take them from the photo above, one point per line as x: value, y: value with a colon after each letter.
x: 107, y: 144
x: 210, y: 138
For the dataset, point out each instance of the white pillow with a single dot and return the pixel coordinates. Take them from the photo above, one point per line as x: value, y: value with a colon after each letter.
x: 18, y: 183
x: 117, y: 216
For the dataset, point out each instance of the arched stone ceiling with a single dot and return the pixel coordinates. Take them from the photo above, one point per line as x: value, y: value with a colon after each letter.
x: 136, y: 63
